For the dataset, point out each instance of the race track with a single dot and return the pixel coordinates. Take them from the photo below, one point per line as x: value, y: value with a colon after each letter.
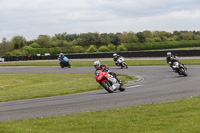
x: 159, y: 84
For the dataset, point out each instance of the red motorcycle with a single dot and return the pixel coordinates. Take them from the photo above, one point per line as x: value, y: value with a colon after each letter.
x: 108, y: 82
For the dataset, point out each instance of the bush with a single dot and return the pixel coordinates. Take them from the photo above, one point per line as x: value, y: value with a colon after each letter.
x: 27, y: 50
x: 35, y: 45
x: 92, y: 49
x: 78, y: 49
x: 103, y: 49
x: 111, y: 47
x: 121, y: 48
x: 16, y: 53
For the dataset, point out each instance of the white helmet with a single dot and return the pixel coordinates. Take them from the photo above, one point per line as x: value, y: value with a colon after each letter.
x: 61, y: 55
x: 169, y: 53
x: 114, y: 54
x: 97, y: 64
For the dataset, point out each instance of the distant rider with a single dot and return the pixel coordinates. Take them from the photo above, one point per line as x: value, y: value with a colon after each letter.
x: 105, y: 68
x: 170, y: 58
x: 61, y: 56
x: 115, y: 58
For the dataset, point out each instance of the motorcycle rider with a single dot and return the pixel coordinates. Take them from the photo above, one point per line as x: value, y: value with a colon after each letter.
x: 173, y: 58
x: 105, y: 68
x: 61, y: 56
x: 170, y: 58
x: 115, y: 58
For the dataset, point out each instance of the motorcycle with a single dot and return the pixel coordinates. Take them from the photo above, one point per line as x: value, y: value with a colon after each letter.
x: 108, y: 82
x: 64, y: 62
x: 121, y: 62
x: 180, y: 68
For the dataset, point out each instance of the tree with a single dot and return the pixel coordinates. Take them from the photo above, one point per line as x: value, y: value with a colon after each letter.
x: 148, y: 34
x: 44, y: 41
x: 18, y: 42
x: 141, y: 37
x: 5, y: 47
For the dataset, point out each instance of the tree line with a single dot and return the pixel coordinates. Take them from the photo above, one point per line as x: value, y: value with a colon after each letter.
x: 99, y: 42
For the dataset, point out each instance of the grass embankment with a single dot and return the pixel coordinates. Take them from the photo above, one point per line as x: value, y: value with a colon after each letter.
x: 109, y: 63
x: 172, y: 117
x: 17, y: 86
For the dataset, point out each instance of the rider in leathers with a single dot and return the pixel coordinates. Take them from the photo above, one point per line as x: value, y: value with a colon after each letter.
x: 115, y: 58
x: 105, y: 68
x: 170, y: 58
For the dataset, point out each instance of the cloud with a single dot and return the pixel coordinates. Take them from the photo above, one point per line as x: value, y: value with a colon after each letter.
x: 32, y: 18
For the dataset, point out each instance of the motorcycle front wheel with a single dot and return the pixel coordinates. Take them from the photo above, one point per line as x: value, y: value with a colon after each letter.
x: 106, y: 85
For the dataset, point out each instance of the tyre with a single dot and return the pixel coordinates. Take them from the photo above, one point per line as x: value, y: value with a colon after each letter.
x: 106, y: 85
x: 183, y: 72
x: 125, y: 65
x: 122, y: 88
x: 62, y: 66
x: 69, y: 66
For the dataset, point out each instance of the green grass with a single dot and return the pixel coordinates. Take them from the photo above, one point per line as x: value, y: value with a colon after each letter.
x: 171, y: 117
x: 17, y: 86
x: 109, y: 63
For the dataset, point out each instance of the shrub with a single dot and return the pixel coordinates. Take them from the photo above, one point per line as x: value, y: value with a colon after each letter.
x: 103, y: 49
x: 111, y: 47
x: 16, y: 53
x: 121, y: 48
x: 92, y: 49
x: 78, y: 49
x: 27, y: 49
x: 35, y: 45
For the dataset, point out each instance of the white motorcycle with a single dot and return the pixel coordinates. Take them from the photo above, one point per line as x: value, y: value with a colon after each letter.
x: 121, y: 62
x: 180, y: 68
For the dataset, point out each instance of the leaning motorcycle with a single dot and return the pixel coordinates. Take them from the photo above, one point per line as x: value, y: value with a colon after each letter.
x: 180, y: 68
x: 121, y: 62
x: 108, y: 82
x: 64, y: 62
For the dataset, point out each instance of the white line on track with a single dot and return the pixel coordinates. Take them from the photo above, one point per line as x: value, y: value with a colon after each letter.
x: 134, y: 86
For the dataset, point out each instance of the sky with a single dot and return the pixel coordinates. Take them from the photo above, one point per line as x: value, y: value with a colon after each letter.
x: 31, y: 18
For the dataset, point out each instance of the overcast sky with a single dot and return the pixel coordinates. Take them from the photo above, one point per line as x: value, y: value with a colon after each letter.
x: 30, y: 18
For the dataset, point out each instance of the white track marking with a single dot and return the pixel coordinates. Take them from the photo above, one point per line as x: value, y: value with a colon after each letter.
x: 134, y: 86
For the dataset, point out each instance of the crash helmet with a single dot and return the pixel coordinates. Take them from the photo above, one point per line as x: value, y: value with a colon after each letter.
x: 114, y: 55
x: 169, y: 53
x: 61, y: 55
x: 97, y: 64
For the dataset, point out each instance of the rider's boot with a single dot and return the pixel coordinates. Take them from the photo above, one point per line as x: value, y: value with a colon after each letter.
x: 119, y: 80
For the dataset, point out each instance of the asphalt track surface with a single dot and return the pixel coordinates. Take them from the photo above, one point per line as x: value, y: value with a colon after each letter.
x: 158, y: 84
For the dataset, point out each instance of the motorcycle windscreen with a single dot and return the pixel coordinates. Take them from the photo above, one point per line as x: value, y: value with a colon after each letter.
x: 97, y: 72
x: 65, y: 59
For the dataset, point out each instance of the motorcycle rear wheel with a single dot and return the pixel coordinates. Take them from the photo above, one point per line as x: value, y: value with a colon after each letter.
x: 106, y: 85
x: 122, y: 88
x: 183, y: 72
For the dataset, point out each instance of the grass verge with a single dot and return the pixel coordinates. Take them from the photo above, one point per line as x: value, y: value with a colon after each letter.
x: 180, y: 116
x: 109, y: 63
x: 17, y: 86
